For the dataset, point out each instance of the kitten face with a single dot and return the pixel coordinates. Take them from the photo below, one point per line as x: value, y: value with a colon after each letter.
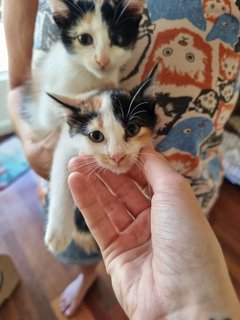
x: 99, y: 34
x: 111, y: 126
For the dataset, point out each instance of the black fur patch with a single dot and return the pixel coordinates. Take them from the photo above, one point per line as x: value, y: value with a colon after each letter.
x: 76, y: 11
x: 78, y: 122
x: 140, y: 111
x: 77, y: 119
x: 123, y: 24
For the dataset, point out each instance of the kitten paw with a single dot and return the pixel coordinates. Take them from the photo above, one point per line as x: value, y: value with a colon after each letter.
x: 57, y: 240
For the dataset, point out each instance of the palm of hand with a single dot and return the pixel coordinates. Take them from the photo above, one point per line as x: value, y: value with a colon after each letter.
x: 129, y: 261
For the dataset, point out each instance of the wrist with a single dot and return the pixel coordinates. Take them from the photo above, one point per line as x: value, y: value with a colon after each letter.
x: 207, y: 298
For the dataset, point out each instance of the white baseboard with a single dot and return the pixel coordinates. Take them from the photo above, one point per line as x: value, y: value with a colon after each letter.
x: 5, y: 123
x: 5, y: 127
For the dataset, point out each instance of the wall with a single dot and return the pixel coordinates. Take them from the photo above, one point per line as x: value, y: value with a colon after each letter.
x: 5, y: 124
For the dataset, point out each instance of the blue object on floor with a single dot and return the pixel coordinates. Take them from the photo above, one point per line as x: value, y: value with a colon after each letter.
x: 13, y: 163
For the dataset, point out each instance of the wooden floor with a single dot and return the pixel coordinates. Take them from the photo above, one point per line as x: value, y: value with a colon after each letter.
x: 43, y: 277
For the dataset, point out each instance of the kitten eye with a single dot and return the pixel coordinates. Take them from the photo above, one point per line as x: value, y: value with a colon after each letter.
x: 119, y: 40
x: 132, y: 129
x: 190, y: 57
x: 85, y: 39
x: 167, y: 52
x: 96, y: 136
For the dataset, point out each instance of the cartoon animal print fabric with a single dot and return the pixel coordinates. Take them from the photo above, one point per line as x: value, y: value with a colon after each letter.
x: 195, y: 44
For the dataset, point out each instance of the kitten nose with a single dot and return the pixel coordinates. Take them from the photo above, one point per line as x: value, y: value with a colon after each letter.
x: 118, y: 156
x: 103, y: 61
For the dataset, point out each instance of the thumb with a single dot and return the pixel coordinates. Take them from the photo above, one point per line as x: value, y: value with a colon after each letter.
x: 173, y: 194
x: 157, y: 170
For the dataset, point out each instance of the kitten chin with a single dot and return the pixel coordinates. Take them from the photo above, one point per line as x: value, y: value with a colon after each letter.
x: 117, y: 167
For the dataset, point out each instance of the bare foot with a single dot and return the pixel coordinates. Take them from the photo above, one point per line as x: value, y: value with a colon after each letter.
x: 75, y: 292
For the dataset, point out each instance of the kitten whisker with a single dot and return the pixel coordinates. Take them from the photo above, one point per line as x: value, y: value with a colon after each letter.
x: 138, y: 105
x: 81, y: 167
x: 116, y: 11
x: 123, y: 10
x: 95, y: 169
x: 147, y: 190
x: 148, y: 154
x: 137, y: 93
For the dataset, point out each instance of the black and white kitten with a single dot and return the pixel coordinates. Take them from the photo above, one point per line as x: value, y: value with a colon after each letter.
x: 97, y: 38
x: 111, y: 126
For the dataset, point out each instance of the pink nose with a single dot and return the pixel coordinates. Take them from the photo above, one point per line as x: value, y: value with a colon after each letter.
x: 118, y: 156
x: 103, y: 62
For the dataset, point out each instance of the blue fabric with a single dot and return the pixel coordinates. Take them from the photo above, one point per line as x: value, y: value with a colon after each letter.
x: 76, y: 255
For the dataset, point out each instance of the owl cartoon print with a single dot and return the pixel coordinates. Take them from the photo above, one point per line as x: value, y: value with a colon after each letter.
x: 194, y: 43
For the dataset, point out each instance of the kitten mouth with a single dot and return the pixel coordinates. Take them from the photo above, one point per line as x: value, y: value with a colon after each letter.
x: 118, y: 168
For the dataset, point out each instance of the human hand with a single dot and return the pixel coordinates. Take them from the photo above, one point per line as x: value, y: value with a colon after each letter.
x: 39, y: 154
x: 163, y: 258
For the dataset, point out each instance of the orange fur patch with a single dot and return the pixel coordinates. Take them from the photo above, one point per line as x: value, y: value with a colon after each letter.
x: 144, y: 137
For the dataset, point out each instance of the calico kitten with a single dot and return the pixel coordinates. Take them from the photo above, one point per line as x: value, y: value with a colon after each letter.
x: 111, y: 126
x: 96, y: 39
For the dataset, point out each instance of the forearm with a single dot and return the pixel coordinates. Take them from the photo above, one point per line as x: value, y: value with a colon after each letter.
x: 19, y: 24
x: 214, y: 297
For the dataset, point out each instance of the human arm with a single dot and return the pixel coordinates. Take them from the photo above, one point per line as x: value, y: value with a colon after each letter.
x: 166, y: 263
x: 19, y: 23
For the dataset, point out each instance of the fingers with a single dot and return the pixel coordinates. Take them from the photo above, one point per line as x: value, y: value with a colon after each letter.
x: 157, y: 170
x: 95, y: 217
x: 127, y: 191
x: 172, y: 192
x: 137, y: 175
x: 122, y: 186
x: 104, y: 213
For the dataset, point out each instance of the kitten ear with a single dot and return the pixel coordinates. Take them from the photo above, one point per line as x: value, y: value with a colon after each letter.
x: 147, y: 87
x: 136, y: 6
x: 73, y: 103
x: 60, y: 11
x: 70, y: 103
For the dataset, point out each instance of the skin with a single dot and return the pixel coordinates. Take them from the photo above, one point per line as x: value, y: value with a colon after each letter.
x: 164, y: 259
x: 19, y: 30
x: 131, y: 261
